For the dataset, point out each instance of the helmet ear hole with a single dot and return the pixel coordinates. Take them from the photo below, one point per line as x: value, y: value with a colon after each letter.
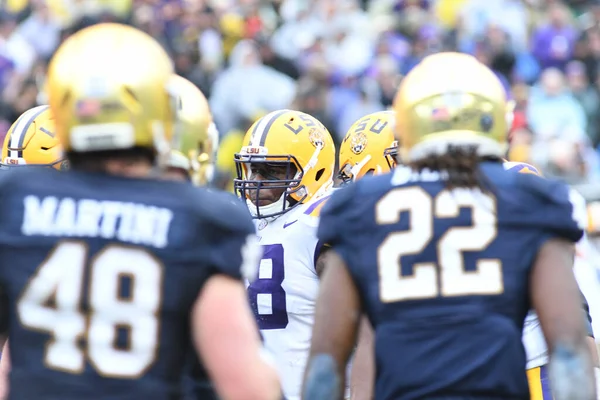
x: 319, y: 174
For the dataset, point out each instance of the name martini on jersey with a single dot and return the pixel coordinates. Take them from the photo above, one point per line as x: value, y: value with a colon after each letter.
x: 125, y: 221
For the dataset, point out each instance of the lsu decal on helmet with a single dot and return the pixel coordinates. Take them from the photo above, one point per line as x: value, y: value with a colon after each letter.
x: 31, y: 140
x: 287, y: 158
x: 369, y: 147
x: 450, y: 99
x: 194, y: 125
x: 108, y: 90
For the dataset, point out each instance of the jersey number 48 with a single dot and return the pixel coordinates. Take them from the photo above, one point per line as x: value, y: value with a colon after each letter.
x: 53, y: 299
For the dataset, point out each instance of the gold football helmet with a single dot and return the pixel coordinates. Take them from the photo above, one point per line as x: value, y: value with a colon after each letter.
x: 103, y: 100
x: 294, y: 155
x: 369, y: 147
x: 194, y: 130
x: 31, y: 140
x: 207, y: 159
x: 450, y: 99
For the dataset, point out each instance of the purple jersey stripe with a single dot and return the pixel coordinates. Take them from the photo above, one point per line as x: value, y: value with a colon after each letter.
x: 315, y: 205
x: 545, y: 381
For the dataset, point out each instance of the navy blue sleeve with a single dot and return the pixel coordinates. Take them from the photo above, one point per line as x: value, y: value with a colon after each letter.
x: 233, y: 247
x: 338, y: 222
x: 547, y: 206
x: 332, y: 215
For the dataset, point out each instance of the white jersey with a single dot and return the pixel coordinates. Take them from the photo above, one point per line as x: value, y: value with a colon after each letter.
x: 284, y: 295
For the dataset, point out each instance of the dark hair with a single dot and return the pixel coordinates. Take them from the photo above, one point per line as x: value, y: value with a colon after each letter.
x: 461, y: 163
x: 96, y: 161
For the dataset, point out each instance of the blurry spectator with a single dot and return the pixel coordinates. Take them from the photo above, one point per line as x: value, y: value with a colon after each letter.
x: 583, y: 52
x: 312, y: 99
x: 554, y: 42
x: 270, y: 59
x: 587, y: 96
x: 248, y: 87
x: 296, y: 34
x: 510, y: 15
x: 14, y: 46
x: 344, y: 91
x: 210, y: 42
x: 385, y: 70
x: 348, y: 51
x: 40, y: 31
x: 552, y: 110
x: 26, y: 98
x: 340, y: 59
x: 365, y: 104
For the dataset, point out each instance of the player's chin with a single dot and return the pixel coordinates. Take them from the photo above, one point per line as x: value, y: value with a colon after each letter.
x: 264, y: 202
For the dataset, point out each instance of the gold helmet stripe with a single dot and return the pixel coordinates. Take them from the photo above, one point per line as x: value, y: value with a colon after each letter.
x: 259, y: 133
x: 17, y: 136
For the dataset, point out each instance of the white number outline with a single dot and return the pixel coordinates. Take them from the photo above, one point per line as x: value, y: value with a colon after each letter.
x: 448, y: 278
x: 66, y: 354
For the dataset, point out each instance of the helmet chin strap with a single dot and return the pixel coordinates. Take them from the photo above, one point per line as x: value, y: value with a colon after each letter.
x: 269, y: 208
x: 358, y: 166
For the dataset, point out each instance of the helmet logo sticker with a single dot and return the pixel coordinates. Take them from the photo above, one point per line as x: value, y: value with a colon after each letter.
x: 262, y: 224
x: 316, y: 138
x: 88, y: 108
x: 486, y: 122
x: 358, y: 143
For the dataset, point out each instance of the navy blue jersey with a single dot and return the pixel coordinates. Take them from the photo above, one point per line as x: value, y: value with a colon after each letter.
x: 101, y: 273
x: 443, y: 276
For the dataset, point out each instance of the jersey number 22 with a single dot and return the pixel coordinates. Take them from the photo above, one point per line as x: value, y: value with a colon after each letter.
x: 52, y: 300
x: 453, y: 279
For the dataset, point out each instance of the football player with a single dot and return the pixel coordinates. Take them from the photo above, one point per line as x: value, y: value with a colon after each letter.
x: 533, y: 337
x: 118, y: 267
x: 369, y: 147
x: 193, y: 154
x: 30, y: 141
x: 285, y: 173
x: 444, y: 255
x: 194, y: 122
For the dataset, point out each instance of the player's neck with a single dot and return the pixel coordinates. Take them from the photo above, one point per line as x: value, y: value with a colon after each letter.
x: 128, y: 169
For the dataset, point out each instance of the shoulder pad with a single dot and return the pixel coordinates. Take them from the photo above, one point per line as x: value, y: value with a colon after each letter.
x: 521, y: 168
x: 549, y: 205
x: 313, y: 209
x: 233, y: 248
x: 224, y: 209
x: 337, y: 213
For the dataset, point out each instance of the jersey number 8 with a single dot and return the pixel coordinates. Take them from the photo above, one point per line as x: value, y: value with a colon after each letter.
x: 453, y: 279
x: 266, y: 294
x: 52, y: 303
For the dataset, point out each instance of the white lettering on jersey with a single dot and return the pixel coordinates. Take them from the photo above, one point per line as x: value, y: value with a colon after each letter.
x: 128, y: 222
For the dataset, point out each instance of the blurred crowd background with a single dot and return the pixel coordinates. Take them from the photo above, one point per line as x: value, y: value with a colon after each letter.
x: 341, y: 59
